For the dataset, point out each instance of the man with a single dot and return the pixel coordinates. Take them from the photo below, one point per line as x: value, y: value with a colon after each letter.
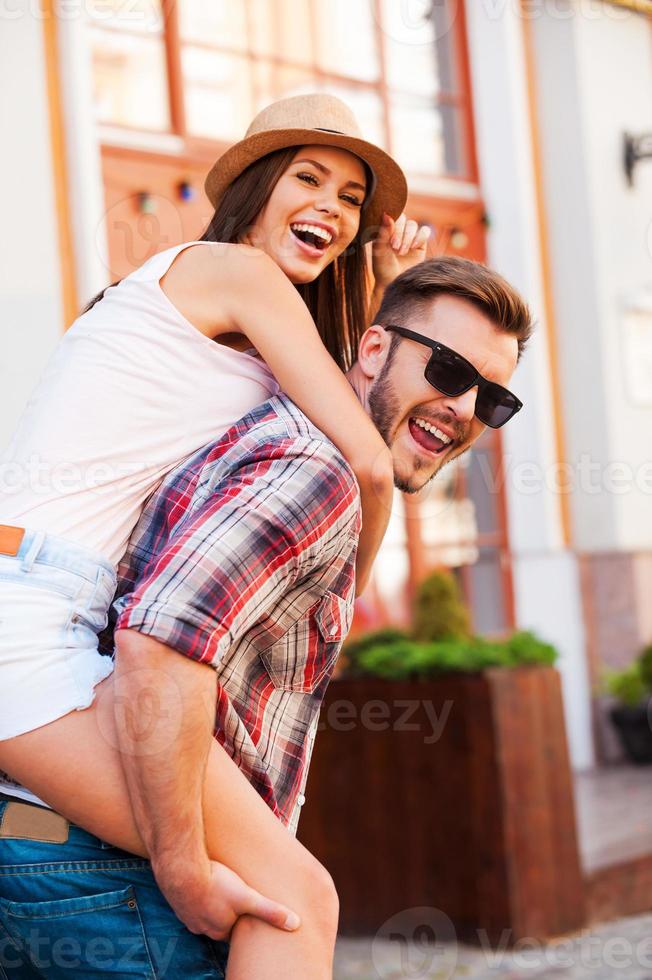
x: 243, y: 562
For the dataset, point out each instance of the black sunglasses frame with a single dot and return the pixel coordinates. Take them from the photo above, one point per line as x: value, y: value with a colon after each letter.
x: 476, y: 378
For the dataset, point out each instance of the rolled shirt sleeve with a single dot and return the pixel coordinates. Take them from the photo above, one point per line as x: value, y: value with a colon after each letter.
x: 250, y: 536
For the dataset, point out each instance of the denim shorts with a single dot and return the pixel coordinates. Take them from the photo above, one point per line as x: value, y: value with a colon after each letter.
x: 85, y: 909
x: 54, y: 601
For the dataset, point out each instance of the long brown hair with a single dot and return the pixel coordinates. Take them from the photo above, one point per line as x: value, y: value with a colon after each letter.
x: 338, y: 298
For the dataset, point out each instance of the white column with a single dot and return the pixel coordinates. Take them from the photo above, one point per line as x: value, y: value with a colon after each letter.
x: 86, y: 189
x: 546, y: 577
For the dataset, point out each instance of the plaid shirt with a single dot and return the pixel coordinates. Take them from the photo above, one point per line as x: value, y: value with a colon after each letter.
x: 244, y: 558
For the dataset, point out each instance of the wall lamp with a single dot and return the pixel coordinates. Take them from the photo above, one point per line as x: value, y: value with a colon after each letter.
x: 635, y: 148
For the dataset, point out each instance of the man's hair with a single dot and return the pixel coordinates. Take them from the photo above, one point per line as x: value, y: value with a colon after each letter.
x: 407, y: 296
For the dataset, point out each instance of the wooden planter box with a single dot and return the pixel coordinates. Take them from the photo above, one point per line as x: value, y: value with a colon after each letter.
x: 453, y: 793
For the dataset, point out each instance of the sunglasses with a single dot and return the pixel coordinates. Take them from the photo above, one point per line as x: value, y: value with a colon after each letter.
x: 452, y: 375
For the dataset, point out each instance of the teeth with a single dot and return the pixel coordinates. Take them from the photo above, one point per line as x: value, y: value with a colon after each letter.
x: 435, y: 431
x: 314, y: 230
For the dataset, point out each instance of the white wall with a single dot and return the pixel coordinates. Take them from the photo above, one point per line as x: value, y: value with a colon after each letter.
x: 594, y: 81
x: 547, y: 590
x: 30, y: 301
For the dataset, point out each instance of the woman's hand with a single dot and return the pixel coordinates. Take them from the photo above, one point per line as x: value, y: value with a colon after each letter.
x: 400, y: 245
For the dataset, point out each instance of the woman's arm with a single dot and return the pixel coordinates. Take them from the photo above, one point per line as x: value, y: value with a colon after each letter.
x: 257, y: 299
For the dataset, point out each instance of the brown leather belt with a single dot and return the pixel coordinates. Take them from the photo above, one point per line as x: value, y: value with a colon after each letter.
x: 10, y: 539
x: 23, y: 820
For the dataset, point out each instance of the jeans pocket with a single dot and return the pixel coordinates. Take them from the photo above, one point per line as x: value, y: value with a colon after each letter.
x: 86, y: 936
x: 91, y: 607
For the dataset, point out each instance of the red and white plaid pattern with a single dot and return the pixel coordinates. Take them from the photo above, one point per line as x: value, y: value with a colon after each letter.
x: 244, y: 558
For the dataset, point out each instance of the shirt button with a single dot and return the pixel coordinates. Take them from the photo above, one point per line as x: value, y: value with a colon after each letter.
x: 301, y: 799
x: 333, y: 630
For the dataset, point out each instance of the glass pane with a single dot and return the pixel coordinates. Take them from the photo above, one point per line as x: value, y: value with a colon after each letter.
x: 417, y: 138
x: 219, y: 22
x: 411, y: 57
x: 448, y: 525
x: 273, y: 80
x: 282, y: 29
x: 487, y: 593
x: 454, y: 155
x: 218, y: 96
x: 346, y: 39
x: 483, y: 487
x: 136, y: 15
x: 130, y: 81
x: 443, y: 15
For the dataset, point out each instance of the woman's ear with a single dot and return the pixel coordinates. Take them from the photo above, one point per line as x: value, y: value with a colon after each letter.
x: 373, y: 350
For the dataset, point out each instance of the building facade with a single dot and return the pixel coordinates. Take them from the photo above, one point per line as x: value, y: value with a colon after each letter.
x: 509, y: 119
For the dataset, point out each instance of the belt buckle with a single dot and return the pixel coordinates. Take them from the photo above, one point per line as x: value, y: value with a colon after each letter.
x: 11, y: 539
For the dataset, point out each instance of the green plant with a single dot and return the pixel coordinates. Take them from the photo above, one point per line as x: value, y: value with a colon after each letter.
x: 628, y: 685
x: 397, y: 660
x: 439, y: 613
x: 393, y: 655
x: 355, y: 650
x: 645, y: 661
x: 526, y: 648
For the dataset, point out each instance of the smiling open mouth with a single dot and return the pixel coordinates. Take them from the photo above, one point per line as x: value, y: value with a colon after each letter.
x: 429, y: 437
x: 312, y: 235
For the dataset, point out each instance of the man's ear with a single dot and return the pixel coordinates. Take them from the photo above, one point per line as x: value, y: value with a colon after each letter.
x: 373, y: 350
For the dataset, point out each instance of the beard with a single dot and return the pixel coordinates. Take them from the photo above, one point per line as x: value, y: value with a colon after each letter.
x: 384, y: 408
x: 383, y: 403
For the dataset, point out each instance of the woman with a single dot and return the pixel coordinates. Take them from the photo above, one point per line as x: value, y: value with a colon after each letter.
x: 140, y: 377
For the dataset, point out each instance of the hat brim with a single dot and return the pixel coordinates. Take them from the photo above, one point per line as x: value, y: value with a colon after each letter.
x: 390, y: 187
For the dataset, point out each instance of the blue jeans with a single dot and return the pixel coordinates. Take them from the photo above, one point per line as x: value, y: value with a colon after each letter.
x: 86, y: 909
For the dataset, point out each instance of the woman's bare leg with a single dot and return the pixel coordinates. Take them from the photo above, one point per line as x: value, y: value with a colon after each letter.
x: 74, y: 765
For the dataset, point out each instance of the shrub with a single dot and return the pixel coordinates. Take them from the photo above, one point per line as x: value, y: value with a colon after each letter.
x: 628, y: 685
x: 392, y: 654
x: 526, y: 648
x: 382, y: 647
x: 645, y: 661
x: 633, y: 685
x: 355, y: 650
x: 439, y: 613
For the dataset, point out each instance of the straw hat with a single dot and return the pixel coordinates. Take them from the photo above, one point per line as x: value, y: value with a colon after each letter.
x: 308, y: 120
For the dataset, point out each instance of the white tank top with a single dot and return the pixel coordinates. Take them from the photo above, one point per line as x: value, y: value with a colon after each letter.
x: 132, y: 389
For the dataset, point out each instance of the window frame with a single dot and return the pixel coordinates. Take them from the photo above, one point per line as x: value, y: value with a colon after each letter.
x: 205, y: 147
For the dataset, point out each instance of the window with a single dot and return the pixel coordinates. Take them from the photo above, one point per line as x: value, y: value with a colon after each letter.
x: 203, y: 68
x: 129, y: 64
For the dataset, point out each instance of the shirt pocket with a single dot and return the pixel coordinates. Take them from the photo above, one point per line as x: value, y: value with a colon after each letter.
x: 306, y: 653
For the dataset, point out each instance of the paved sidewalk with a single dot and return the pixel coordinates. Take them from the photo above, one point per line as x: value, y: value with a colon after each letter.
x: 622, y: 948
